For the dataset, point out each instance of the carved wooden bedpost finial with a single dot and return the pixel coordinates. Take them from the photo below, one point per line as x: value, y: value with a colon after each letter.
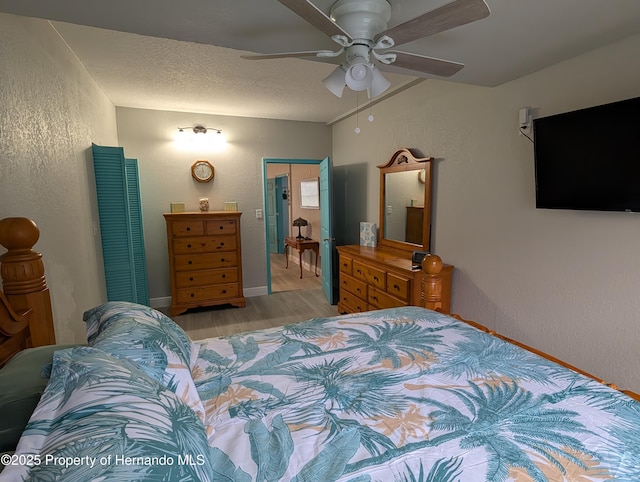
x: 21, y: 267
x: 431, y: 293
x: 23, y: 280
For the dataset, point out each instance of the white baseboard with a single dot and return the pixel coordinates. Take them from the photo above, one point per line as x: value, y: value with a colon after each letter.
x: 257, y: 291
x: 162, y: 302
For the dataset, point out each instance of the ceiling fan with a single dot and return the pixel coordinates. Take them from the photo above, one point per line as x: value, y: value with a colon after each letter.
x: 359, y: 27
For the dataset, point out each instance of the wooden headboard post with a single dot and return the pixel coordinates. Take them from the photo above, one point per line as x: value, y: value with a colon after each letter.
x: 23, y: 280
x: 431, y: 292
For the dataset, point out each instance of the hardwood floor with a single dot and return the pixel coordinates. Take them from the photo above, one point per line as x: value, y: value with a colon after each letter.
x: 292, y: 299
x: 288, y: 279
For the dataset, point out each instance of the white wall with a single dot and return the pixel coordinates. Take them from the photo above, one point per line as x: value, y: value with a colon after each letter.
x: 165, y: 176
x: 566, y: 282
x: 51, y: 110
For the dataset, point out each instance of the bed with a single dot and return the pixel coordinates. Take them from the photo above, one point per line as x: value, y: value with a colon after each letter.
x: 402, y: 394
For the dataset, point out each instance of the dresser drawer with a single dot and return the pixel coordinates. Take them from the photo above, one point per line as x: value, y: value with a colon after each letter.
x: 398, y: 286
x: 206, y: 277
x: 374, y: 276
x: 222, y: 226
x: 352, y: 302
x: 352, y: 285
x: 187, y: 262
x: 187, y: 228
x: 204, y: 244
x: 345, y: 264
x: 380, y: 299
x: 207, y: 293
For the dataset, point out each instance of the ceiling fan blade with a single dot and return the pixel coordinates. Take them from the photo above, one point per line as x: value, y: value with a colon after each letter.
x: 315, y: 17
x: 454, y: 14
x: 427, y: 65
x: 283, y: 55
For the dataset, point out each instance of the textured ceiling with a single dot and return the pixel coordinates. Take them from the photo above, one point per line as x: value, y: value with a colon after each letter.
x: 185, y: 56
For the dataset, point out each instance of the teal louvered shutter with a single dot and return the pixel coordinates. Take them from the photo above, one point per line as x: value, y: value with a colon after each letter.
x: 136, y: 232
x: 120, y: 210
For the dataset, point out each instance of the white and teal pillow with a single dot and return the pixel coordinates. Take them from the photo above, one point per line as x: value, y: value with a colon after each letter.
x: 151, y: 340
x: 101, y: 409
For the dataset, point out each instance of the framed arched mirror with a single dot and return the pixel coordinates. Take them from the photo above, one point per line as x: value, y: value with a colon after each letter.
x: 405, y: 202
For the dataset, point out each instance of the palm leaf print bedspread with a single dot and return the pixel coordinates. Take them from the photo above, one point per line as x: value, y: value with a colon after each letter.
x: 407, y: 394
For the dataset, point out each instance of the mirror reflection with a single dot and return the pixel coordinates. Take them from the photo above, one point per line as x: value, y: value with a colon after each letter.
x: 404, y: 206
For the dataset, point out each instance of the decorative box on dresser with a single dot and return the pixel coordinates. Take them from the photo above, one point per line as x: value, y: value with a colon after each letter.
x: 377, y: 278
x: 205, y: 259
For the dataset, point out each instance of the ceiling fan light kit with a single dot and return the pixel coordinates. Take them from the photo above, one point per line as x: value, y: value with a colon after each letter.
x: 360, y: 28
x: 335, y: 82
x: 359, y: 75
x: 378, y: 84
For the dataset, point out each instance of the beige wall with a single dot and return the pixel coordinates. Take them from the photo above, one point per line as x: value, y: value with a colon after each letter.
x: 51, y: 110
x: 165, y: 177
x: 566, y: 282
x: 563, y: 281
x: 51, y: 113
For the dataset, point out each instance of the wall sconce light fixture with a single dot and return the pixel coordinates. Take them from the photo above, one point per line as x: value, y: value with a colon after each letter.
x: 200, y: 138
x: 200, y: 129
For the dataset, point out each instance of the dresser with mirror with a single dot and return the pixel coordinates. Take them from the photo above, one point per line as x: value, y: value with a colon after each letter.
x: 385, y: 276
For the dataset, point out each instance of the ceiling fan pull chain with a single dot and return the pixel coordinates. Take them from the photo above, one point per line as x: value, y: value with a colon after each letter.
x: 357, y: 129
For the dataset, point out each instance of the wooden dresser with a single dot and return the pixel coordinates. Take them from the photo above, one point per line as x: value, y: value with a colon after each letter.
x: 377, y: 278
x: 205, y: 259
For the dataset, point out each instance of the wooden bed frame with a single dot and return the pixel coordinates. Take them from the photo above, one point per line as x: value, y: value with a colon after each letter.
x: 25, y: 306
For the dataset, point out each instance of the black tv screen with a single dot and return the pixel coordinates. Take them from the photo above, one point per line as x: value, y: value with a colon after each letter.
x: 590, y: 158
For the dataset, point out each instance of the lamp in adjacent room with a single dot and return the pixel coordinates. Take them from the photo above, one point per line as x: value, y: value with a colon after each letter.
x: 300, y: 222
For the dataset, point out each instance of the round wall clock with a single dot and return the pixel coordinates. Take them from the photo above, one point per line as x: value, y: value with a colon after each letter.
x: 202, y: 171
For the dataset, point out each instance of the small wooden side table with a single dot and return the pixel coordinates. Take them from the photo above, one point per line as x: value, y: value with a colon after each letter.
x: 301, y: 245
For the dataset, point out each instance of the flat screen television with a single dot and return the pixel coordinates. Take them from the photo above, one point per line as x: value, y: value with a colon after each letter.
x: 589, y: 159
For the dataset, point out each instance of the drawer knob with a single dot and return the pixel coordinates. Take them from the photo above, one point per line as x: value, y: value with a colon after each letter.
x: 188, y: 229
x: 193, y: 295
x: 396, y: 287
x: 224, y: 292
x: 188, y: 245
x: 222, y: 260
x: 375, y: 298
x: 376, y: 278
x: 191, y: 278
x: 190, y: 262
x: 224, y: 276
x: 221, y: 227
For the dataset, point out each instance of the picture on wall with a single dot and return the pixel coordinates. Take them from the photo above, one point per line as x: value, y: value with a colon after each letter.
x: 310, y: 193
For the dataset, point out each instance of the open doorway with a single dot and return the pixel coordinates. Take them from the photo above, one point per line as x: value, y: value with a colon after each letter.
x: 307, y: 238
x: 287, y: 194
